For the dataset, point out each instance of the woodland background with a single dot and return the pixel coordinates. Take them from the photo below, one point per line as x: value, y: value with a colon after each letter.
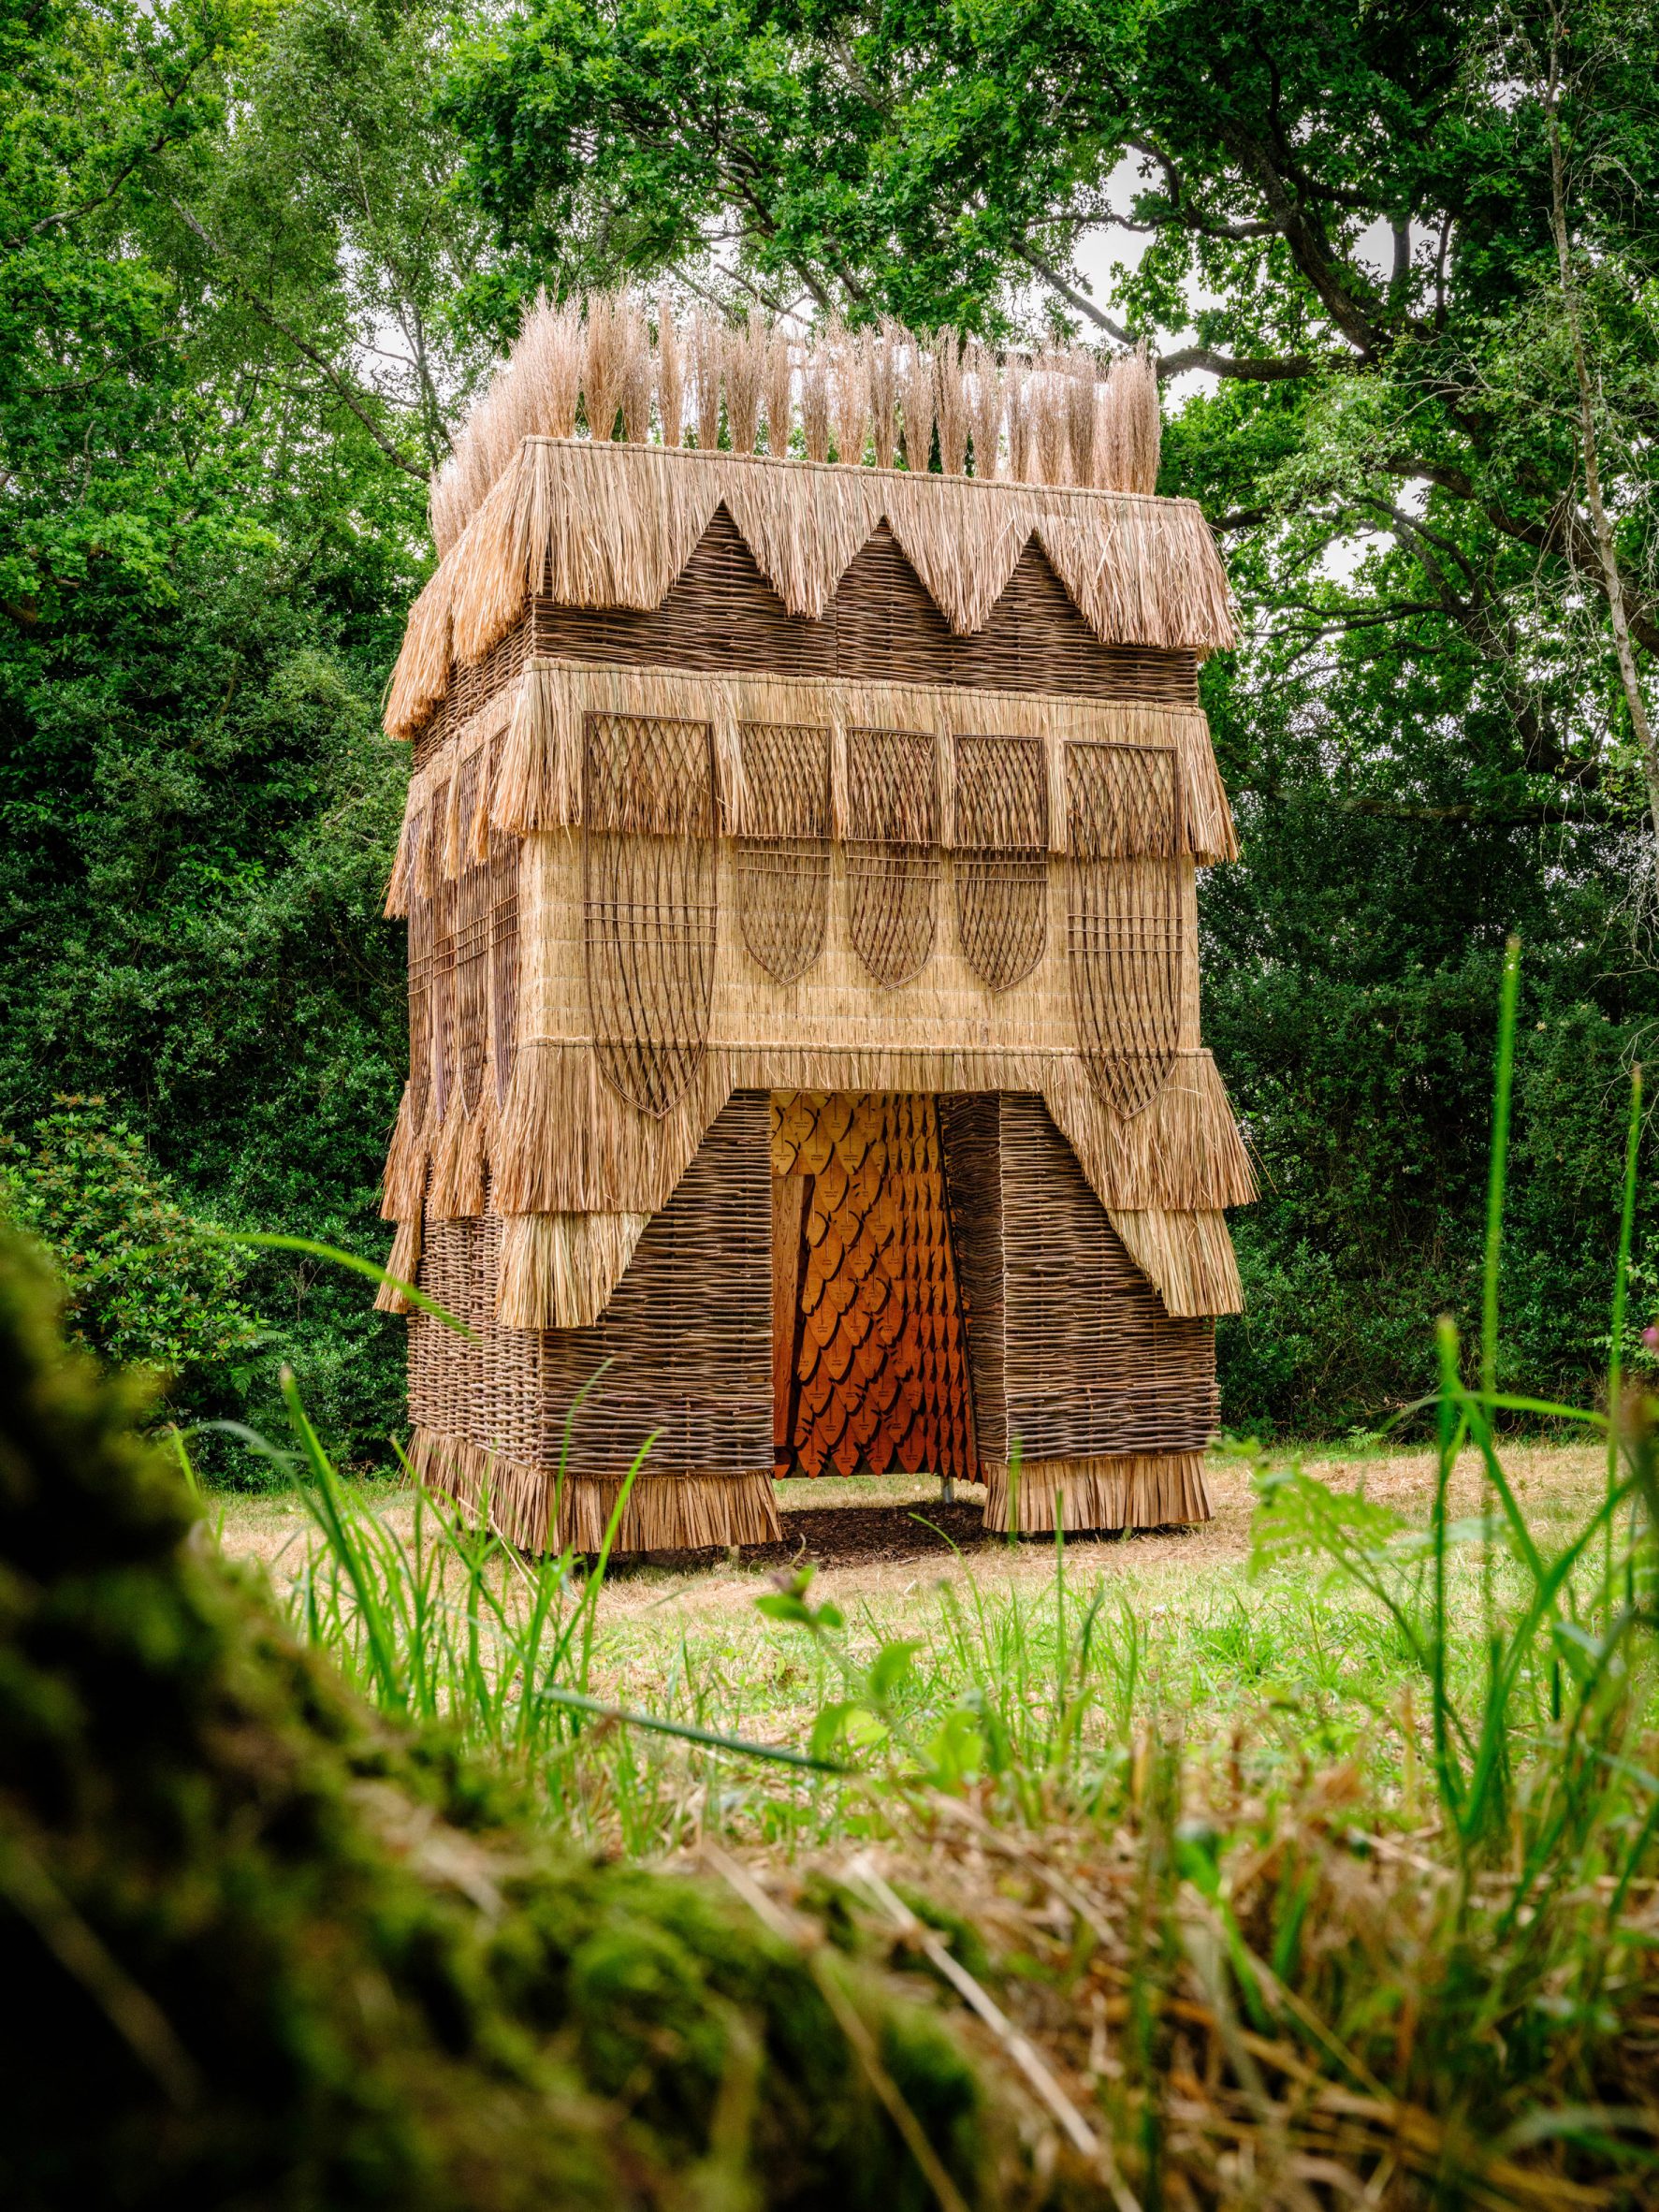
x: 255, y: 257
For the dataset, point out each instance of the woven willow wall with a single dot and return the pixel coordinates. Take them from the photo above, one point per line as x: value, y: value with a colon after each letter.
x: 805, y: 1018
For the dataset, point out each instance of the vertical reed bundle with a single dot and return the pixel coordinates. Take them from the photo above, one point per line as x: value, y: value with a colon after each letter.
x: 708, y: 347
x: 951, y: 403
x: 671, y: 376
x: 1130, y: 424
x: 605, y: 369
x: 916, y: 399
x: 815, y: 405
x: 780, y: 410
x: 984, y: 407
x: 850, y: 395
x: 884, y: 394
x: 1050, y: 419
x: 636, y: 373
x: 1081, y: 412
x: 746, y: 368
x: 1016, y: 407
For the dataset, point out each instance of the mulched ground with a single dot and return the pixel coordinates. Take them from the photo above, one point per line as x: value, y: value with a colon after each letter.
x: 850, y: 1535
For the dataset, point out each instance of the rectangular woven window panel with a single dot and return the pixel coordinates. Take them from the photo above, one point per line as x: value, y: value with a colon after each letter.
x: 650, y: 901
x: 1072, y: 1351
x: 1123, y: 920
x: 1001, y: 857
x: 892, y: 850
x: 783, y: 867
x: 869, y: 1344
x: 420, y: 978
x: 472, y: 943
x: 1123, y: 802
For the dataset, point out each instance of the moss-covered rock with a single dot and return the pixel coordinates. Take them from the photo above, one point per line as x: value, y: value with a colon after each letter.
x: 257, y: 1949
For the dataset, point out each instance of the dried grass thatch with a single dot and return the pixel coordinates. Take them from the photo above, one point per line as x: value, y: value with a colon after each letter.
x: 613, y: 526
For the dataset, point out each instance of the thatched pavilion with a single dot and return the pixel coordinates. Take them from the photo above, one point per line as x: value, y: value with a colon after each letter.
x: 800, y: 865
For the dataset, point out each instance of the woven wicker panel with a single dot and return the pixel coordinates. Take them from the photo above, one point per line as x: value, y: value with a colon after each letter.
x: 870, y: 1358
x: 882, y: 626
x: 473, y: 929
x: 420, y: 982
x: 443, y: 1070
x: 1123, y: 802
x: 1124, y: 919
x: 886, y: 627
x: 892, y: 850
x: 688, y: 1330
x: 720, y: 613
x: 1090, y: 1363
x: 649, y: 891
x: 783, y: 871
x: 1001, y: 861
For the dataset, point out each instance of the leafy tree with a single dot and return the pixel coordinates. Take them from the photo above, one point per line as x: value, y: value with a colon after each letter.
x: 148, y: 1284
x: 215, y: 223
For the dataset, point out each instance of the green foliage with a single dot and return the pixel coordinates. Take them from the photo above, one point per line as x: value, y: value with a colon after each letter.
x: 148, y: 1285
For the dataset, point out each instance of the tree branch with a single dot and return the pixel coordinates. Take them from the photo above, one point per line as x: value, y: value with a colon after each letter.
x: 341, y: 385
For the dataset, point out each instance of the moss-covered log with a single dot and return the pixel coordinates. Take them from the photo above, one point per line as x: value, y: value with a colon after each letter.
x: 259, y: 1949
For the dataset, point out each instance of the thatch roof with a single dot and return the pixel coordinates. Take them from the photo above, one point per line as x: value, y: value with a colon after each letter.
x: 611, y: 525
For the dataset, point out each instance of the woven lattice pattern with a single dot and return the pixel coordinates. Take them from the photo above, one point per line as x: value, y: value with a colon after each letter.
x: 870, y: 1360
x: 892, y: 850
x: 783, y: 868
x: 1072, y: 1354
x: 1122, y: 802
x: 1124, y: 919
x: 650, y: 897
x: 1002, y: 864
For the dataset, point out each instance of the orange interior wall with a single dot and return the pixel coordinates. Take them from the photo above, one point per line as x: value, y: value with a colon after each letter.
x: 870, y: 1358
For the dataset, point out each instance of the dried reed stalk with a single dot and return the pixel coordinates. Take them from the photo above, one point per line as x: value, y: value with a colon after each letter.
x: 671, y: 376
x: 815, y: 403
x: 614, y: 526
x: 781, y: 376
x: 1131, y: 426
x: 884, y: 359
x: 746, y: 368
x: 1187, y: 1258
x: 1015, y: 383
x: 1141, y: 1490
x: 916, y: 393
x: 636, y: 373
x: 1080, y: 414
x: 708, y: 349
x: 1049, y: 420
x: 850, y: 395
x: 984, y: 410
x: 951, y: 403
x: 606, y: 368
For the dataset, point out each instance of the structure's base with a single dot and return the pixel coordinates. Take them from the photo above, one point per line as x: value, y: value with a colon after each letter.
x: 1141, y: 1490
x: 685, y: 1512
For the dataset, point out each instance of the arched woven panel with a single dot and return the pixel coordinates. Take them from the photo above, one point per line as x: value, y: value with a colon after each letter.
x: 892, y: 850
x: 1125, y: 918
x: 1001, y: 859
x: 784, y: 868
x: 649, y: 803
x: 471, y: 944
x: 420, y: 976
